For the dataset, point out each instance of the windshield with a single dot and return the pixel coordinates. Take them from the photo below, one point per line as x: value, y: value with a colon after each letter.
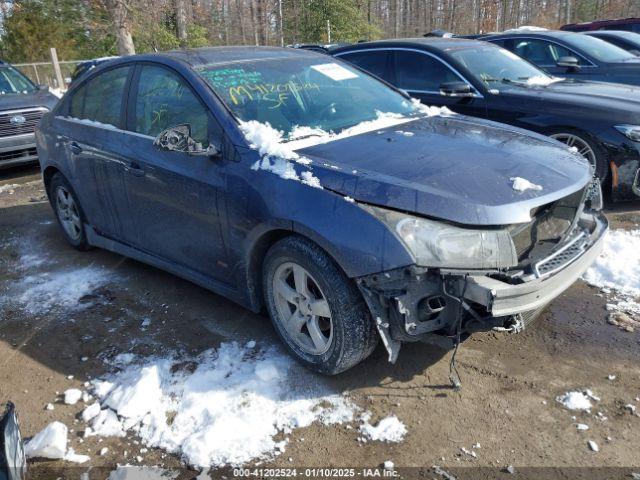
x: 492, y: 65
x: 12, y: 81
x: 309, y: 92
x: 598, y: 49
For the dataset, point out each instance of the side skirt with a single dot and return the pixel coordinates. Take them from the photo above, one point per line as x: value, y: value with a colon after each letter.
x: 215, y: 286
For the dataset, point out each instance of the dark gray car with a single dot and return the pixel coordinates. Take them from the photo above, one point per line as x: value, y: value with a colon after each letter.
x: 22, y: 104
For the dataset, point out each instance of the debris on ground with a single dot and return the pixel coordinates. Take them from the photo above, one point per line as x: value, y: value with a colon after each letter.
x: 388, y: 465
x: 593, y: 446
x: 582, y: 426
x: 443, y: 473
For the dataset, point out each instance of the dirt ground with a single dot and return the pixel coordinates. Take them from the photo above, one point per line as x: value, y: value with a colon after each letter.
x: 506, y: 403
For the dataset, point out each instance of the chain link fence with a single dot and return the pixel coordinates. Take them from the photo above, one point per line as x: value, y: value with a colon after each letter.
x: 44, y: 72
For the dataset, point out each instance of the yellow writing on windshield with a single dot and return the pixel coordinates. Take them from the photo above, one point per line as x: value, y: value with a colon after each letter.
x: 276, y: 93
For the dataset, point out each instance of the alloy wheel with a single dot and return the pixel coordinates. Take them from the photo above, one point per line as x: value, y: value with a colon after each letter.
x: 68, y: 213
x: 302, y: 308
x: 583, y: 147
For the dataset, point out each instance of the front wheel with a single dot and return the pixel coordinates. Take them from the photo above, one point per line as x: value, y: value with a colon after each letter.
x: 316, y: 309
x: 586, y: 147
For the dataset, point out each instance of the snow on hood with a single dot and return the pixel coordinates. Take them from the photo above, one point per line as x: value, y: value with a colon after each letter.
x: 543, y: 80
x: 522, y: 184
x: 279, y: 154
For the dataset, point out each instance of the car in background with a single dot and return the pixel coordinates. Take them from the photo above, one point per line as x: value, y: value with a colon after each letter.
x: 627, y: 24
x: 22, y: 104
x: 86, y: 65
x: 306, y: 187
x: 602, y: 121
x: 572, y: 55
x: 318, y: 47
x: 629, y: 41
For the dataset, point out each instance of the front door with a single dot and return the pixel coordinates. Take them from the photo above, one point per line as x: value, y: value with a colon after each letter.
x: 175, y: 197
x: 421, y: 75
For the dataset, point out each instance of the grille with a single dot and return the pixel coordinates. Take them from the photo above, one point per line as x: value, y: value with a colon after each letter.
x: 31, y: 119
x: 562, y: 257
x: 18, y: 154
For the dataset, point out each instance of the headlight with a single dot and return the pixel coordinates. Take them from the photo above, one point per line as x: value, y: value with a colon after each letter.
x: 437, y: 244
x: 632, y: 132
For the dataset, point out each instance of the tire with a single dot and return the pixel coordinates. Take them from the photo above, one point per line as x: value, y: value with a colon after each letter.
x: 584, y: 142
x: 68, y: 212
x: 348, y: 334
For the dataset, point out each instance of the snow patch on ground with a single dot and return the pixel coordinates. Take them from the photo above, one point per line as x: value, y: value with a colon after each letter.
x: 48, y: 443
x: 45, y: 291
x: 10, y: 187
x: 389, y: 429
x: 578, y: 400
x: 522, y: 184
x: 617, y: 272
x: 226, y: 412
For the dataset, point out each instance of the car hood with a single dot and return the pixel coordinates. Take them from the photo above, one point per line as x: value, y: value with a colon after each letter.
x: 454, y: 168
x: 39, y: 98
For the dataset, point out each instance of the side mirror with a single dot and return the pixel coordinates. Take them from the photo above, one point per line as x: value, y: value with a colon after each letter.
x: 570, y: 63
x: 13, y: 463
x: 456, y: 89
x: 178, y: 139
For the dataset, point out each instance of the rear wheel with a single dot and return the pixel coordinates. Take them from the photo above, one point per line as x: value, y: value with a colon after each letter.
x: 587, y: 148
x: 316, y: 309
x: 68, y: 212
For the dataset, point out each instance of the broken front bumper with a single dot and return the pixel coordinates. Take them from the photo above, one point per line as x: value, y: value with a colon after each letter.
x: 426, y: 304
x: 503, y: 299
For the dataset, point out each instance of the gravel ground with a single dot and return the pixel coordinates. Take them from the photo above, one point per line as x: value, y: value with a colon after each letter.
x: 506, y: 404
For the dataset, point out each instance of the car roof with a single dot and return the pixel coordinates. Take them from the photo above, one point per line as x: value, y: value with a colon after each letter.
x: 611, y: 33
x: 534, y: 33
x: 196, y: 57
x: 433, y: 43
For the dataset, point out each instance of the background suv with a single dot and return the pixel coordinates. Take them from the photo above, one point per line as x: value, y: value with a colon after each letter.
x: 22, y: 104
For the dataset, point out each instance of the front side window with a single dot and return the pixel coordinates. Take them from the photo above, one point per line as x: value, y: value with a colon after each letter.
x: 12, y: 81
x: 599, y: 49
x: 542, y: 52
x: 494, y: 65
x: 100, y: 99
x: 305, y: 92
x: 374, y: 61
x: 164, y: 100
x: 416, y: 71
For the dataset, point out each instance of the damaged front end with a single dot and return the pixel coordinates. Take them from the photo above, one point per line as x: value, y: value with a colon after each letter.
x: 483, y: 279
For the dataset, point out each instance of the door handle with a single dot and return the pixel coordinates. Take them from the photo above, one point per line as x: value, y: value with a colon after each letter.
x: 75, y: 148
x: 135, y: 170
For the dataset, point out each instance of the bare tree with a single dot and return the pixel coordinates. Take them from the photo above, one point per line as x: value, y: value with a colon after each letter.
x: 181, y: 21
x: 118, y: 9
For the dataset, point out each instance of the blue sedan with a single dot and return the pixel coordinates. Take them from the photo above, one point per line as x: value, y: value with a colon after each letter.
x: 290, y: 181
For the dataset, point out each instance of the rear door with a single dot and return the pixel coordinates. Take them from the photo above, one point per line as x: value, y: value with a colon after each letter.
x: 91, y: 132
x: 174, y: 196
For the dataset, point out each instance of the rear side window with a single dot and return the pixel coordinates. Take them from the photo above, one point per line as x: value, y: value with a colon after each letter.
x: 100, y: 99
x: 417, y: 71
x: 375, y: 62
x: 165, y: 100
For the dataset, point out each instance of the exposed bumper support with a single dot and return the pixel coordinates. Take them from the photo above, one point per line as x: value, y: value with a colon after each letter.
x: 421, y: 304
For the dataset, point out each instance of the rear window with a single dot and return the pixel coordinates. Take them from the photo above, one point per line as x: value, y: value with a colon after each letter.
x: 100, y: 99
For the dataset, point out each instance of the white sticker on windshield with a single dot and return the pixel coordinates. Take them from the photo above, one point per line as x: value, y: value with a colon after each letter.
x: 334, y: 71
